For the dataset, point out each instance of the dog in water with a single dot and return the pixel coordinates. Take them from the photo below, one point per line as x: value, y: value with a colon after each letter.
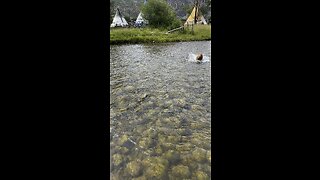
x: 199, y: 57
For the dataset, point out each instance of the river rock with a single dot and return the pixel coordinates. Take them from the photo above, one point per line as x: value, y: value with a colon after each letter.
x: 181, y: 171
x: 200, y: 175
x: 117, y: 159
x: 146, y: 142
x: 134, y: 168
x: 123, y: 139
x: 140, y: 178
x: 184, y: 147
x: 156, y: 167
x: 168, y: 146
x: 172, y: 156
x: 173, y: 139
x: 199, y: 155
x: 209, y: 156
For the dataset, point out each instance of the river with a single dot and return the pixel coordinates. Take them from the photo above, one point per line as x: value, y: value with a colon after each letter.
x: 160, y: 111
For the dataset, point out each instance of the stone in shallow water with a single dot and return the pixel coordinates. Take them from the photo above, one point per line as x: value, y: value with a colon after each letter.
x: 197, y: 125
x: 134, y: 168
x: 199, y: 155
x: 140, y: 178
x: 156, y: 167
x: 200, y: 175
x: 184, y: 139
x: 161, y: 138
x: 150, y: 132
x: 209, y: 156
x: 167, y: 146
x: 173, y: 139
x: 123, y: 139
x: 117, y: 159
x: 146, y: 142
x: 158, y: 150
x: 187, y: 160
x: 128, y: 144
x: 184, y: 122
x: 166, y: 120
x: 185, y: 132
x: 172, y: 156
x: 139, y: 129
x: 205, y: 168
x: 181, y: 171
x: 184, y: 147
x: 121, y: 150
x: 129, y: 88
x: 159, y: 123
x: 199, y: 142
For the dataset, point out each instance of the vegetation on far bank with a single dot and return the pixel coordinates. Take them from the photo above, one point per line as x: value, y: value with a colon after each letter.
x: 160, y: 14
x: 152, y: 35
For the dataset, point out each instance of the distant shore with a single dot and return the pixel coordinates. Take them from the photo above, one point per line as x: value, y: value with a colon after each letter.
x: 148, y: 35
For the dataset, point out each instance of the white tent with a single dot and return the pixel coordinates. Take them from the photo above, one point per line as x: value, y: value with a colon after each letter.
x: 140, y: 18
x: 118, y: 20
x: 200, y: 19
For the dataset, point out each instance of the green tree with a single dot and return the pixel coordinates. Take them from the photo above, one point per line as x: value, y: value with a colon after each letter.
x: 188, y: 8
x: 160, y: 14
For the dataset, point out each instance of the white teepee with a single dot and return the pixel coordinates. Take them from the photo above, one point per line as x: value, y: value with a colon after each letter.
x: 140, y: 18
x: 118, y: 20
x: 200, y: 19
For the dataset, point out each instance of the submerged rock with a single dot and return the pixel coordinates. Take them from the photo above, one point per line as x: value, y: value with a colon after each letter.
x: 123, y: 139
x: 158, y: 150
x: 134, y: 168
x: 198, y: 142
x: 168, y: 146
x: 184, y: 147
x: 146, y: 142
x: 199, y: 155
x: 172, y: 156
x: 161, y: 139
x: 185, y: 132
x: 187, y: 160
x: 117, y: 159
x: 140, y: 178
x: 197, y: 125
x: 200, y: 175
x: 129, y: 88
x: 173, y: 139
x: 121, y: 150
x: 139, y: 129
x: 209, y: 156
x: 151, y: 113
x: 156, y: 167
x: 184, y: 139
x: 151, y: 133
x: 181, y: 171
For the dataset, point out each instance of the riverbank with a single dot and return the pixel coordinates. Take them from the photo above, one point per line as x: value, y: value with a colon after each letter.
x: 148, y: 35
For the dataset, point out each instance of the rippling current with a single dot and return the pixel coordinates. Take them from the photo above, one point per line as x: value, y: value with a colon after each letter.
x: 160, y: 108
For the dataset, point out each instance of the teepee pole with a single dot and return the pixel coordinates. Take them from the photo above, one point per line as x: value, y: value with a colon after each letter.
x: 195, y: 14
x: 120, y: 15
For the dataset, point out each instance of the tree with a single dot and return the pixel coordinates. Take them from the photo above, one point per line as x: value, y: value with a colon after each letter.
x: 160, y: 14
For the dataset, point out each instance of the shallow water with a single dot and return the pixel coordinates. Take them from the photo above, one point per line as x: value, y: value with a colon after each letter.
x: 160, y: 108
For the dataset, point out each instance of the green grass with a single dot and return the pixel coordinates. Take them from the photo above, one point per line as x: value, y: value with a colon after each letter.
x: 148, y: 35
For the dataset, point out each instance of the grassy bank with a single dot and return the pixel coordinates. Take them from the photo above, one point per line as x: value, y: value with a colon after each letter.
x: 147, y: 35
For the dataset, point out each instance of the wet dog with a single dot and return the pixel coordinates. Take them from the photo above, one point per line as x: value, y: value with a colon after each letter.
x: 199, y: 58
